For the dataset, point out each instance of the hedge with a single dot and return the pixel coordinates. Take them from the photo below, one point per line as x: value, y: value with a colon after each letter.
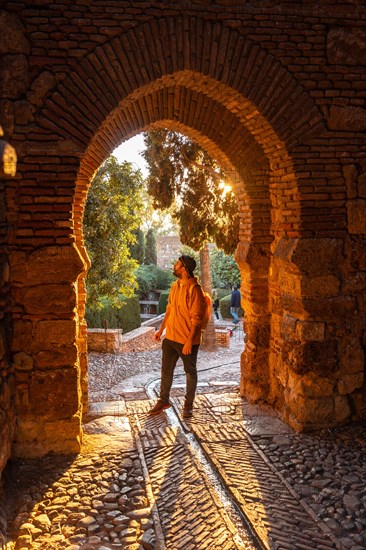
x: 225, y: 308
x: 126, y: 317
x: 163, y: 301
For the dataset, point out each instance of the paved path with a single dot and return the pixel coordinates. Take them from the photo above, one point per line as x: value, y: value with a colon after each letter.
x: 235, y: 476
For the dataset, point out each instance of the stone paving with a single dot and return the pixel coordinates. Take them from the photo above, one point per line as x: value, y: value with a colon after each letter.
x: 233, y: 474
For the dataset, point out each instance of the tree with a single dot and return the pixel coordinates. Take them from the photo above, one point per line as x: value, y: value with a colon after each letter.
x: 111, y: 215
x: 137, y: 248
x: 224, y: 269
x: 184, y: 177
x: 150, y: 248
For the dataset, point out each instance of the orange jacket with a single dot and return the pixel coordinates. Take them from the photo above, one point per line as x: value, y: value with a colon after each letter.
x: 186, y: 307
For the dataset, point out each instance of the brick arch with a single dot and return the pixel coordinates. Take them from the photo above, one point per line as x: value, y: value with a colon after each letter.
x: 162, y: 48
x: 254, y: 114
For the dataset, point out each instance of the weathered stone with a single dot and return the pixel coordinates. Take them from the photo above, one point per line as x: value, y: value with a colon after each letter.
x: 307, y: 413
x: 356, y: 210
x: 57, y: 299
x: 310, y: 330
x: 309, y: 385
x: 13, y: 39
x: 352, y: 357
x: 342, y: 409
x: 23, y: 112
x: 361, y: 187
x: 349, y: 382
x: 347, y: 46
x: 14, y: 75
x: 54, y: 333
x: 310, y: 256
x: 311, y: 287
x: 347, y: 118
x: 350, y: 173
x: 23, y: 361
x: 40, y: 87
x: 50, y: 265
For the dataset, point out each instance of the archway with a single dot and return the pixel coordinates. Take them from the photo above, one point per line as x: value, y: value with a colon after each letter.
x: 242, y: 105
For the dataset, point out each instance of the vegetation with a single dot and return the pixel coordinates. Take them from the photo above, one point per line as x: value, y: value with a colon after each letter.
x: 224, y: 270
x: 184, y: 178
x: 151, y: 277
x: 137, y: 248
x: 126, y: 317
x: 112, y: 213
x: 150, y: 248
x: 225, y: 308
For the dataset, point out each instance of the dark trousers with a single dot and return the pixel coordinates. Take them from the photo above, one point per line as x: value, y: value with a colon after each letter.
x: 172, y: 351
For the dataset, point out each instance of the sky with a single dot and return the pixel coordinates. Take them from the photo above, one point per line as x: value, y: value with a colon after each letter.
x: 130, y: 151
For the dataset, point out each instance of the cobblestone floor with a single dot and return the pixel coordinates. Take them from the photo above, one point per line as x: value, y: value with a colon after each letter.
x: 160, y: 482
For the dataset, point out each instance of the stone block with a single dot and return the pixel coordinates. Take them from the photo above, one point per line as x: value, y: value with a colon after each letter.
x: 57, y: 333
x: 58, y: 300
x: 310, y: 413
x: 104, y: 340
x: 14, y: 75
x: 346, y: 46
x: 351, y: 119
x: 342, y: 409
x: 54, y: 264
x: 352, y: 357
x: 57, y: 357
x: 310, y: 256
x: 309, y: 385
x: 310, y: 330
x: 13, y: 39
x: 312, y: 287
x: 356, y: 212
x: 361, y: 186
x: 350, y: 382
x: 54, y: 393
x: 23, y: 361
x: 350, y: 174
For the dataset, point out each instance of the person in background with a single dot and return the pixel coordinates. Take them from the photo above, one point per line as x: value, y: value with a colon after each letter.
x: 216, y: 304
x: 183, y: 321
x: 235, y: 304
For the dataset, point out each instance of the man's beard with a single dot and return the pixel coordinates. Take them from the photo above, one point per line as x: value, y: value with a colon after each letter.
x: 177, y: 274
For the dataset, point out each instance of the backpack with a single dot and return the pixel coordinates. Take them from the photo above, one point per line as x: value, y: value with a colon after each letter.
x: 208, y: 301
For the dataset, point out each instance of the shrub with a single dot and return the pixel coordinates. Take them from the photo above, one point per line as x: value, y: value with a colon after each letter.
x: 126, y: 317
x: 151, y: 277
x: 163, y: 301
x: 225, y: 308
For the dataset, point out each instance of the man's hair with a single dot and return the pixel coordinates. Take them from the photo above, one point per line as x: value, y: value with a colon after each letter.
x: 189, y: 263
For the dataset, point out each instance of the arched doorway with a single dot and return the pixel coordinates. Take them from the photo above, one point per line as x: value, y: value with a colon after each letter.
x: 242, y: 105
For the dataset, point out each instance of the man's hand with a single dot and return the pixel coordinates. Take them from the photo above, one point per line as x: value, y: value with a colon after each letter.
x: 187, y: 348
x: 157, y: 335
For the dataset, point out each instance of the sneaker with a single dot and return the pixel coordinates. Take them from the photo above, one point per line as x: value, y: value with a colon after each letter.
x: 187, y: 410
x: 159, y: 407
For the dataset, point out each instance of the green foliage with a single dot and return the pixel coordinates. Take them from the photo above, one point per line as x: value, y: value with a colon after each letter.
x: 137, y: 248
x: 111, y: 214
x: 150, y: 248
x: 224, y: 270
x: 163, y: 301
x: 164, y: 279
x: 182, y: 175
x: 151, y: 277
x: 225, y: 308
x: 126, y: 317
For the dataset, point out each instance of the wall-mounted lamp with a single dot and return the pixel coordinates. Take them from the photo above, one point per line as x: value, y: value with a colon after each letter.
x: 8, y: 157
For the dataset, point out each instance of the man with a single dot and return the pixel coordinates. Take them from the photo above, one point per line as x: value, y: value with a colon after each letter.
x: 235, y: 304
x: 182, y: 321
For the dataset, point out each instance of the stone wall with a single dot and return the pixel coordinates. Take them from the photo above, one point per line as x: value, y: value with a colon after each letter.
x: 113, y: 341
x: 275, y: 91
x: 167, y: 250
